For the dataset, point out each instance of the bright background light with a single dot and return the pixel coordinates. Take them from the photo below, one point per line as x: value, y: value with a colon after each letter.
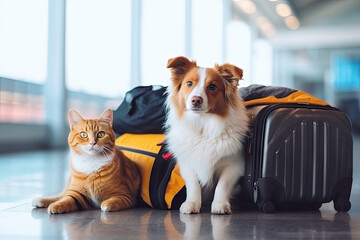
x: 23, y: 39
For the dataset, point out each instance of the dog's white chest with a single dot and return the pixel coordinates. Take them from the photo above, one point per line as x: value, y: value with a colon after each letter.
x: 202, y: 152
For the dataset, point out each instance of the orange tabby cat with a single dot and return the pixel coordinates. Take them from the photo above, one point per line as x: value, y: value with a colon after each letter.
x: 101, y: 175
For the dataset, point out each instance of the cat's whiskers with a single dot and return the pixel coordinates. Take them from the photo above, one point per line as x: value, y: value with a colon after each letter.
x: 106, y: 151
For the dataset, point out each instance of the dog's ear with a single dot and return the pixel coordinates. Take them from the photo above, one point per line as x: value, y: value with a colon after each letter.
x: 230, y: 73
x: 179, y: 65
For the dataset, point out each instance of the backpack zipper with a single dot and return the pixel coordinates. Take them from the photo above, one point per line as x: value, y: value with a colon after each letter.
x: 164, y: 182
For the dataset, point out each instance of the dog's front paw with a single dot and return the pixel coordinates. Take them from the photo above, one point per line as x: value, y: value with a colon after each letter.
x: 190, y: 207
x: 221, y: 207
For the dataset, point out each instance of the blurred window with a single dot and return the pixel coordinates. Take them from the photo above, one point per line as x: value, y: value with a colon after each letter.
x: 98, y: 48
x: 207, y: 32
x: 262, y: 62
x: 238, y: 50
x: 23, y: 48
x: 162, y: 37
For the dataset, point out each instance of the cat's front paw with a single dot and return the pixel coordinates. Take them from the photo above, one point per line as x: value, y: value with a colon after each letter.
x: 190, y: 207
x: 56, y: 208
x: 110, y: 206
x: 44, y: 202
x: 222, y: 207
x: 39, y: 203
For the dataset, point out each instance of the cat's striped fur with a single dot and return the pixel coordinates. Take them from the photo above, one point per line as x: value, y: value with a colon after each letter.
x: 101, y: 175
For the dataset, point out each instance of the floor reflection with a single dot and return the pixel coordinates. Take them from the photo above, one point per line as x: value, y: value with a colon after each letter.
x: 158, y: 224
x: 132, y: 224
x: 95, y: 224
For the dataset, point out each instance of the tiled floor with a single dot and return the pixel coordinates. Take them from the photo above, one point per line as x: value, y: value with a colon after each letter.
x: 24, y: 176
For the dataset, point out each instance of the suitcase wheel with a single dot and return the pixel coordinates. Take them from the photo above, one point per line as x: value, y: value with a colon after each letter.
x: 267, y: 207
x: 342, y: 205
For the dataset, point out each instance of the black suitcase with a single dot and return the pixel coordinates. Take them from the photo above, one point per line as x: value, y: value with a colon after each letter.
x: 299, y: 155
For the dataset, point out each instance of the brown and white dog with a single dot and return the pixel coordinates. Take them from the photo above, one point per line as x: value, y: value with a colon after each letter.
x: 206, y: 125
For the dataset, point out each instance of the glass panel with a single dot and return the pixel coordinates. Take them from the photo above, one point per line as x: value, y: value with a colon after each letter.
x: 207, y: 32
x: 262, y: 62
x: 239, y: 48
x: 162, y: 37
x: 23, y: 41
x: 23, y: 48
x: 21, y: 102
x: 98, y: 45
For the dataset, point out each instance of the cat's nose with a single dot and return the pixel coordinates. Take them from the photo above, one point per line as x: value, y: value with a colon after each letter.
x: 92, y: 143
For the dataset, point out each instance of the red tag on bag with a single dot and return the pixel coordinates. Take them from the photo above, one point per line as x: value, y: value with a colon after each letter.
x: 167, y: 156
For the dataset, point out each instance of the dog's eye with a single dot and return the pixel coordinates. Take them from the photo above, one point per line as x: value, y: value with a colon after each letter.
x: 189, y: 83
x: 212, y: 87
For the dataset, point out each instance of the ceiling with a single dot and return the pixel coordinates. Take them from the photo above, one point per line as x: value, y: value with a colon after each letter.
x: 327, y: 12
x: 322, y: 23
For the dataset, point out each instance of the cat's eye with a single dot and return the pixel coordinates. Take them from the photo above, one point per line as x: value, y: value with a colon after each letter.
x: 83, y: 135
x: 189, y: 83
x: 100, y: 134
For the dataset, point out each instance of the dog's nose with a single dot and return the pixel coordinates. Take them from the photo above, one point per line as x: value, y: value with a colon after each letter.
x: 196, y: 101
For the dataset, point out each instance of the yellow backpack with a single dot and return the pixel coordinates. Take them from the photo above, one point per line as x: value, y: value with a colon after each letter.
x: 161, y: 185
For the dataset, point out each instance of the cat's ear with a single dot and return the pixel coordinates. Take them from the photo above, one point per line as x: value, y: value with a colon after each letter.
x: 107, y: 116
x: 74, y: 118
